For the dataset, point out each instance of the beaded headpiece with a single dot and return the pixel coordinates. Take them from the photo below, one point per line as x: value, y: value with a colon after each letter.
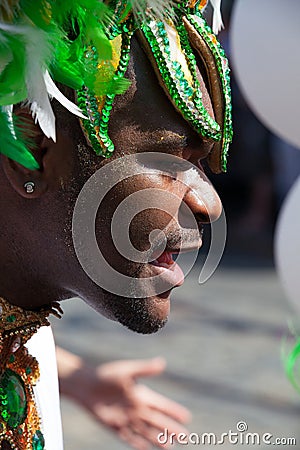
x: 85, y: 44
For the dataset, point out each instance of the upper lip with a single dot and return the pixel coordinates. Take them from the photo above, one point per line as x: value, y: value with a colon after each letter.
x: 175, y: 247
x: 184, y: 248
x: 181, y: 248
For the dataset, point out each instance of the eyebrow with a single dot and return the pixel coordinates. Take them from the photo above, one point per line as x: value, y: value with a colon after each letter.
x: 163, y: 139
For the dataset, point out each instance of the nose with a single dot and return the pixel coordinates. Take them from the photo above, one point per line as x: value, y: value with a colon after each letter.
x: 201, y: 197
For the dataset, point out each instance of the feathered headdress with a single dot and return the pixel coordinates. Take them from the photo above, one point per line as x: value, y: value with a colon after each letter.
x: 85, y: 44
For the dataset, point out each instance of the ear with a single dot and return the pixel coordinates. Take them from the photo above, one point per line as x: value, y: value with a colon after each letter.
x: 53, y: 158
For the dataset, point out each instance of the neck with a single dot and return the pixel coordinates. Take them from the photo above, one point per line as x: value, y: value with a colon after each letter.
x: 27, y: 292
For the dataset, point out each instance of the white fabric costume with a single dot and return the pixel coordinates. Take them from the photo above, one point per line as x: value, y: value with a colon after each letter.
x: 42, y: 347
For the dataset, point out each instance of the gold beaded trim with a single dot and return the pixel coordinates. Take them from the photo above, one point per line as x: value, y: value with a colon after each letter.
x: 19, y: 372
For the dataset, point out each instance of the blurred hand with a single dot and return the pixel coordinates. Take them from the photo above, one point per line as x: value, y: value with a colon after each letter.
x: 110, y: 392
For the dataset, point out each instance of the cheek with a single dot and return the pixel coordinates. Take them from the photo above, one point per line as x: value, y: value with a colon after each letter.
x: 145, y: 203
x: 159, y: 200
x: 145, y: 223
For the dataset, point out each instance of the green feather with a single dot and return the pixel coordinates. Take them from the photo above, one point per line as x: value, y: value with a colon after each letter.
x: 95, y: 34
x: 67, y: 76
x: 291, y: 363
x: 116, y: 85
x: 12, y: 78
x: 77, y: 11
x: 67, y: 67
x: 37, y: 11
x: 15, y: 148
x: 86, y: 19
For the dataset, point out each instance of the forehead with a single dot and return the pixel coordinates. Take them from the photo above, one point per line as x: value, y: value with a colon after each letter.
x: 146, y: 110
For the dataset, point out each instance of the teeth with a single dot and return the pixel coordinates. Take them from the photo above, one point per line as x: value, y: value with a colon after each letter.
x: 165, y: 257
x: 166, y: 265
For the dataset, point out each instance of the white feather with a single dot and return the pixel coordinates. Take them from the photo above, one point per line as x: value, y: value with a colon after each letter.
x: 38, y: 81
x: 158, y: 9
x: 8, y: 110
x: 53, y: 91
x: 37, y: 95
x: 217, y: 17
x: 38, y: 54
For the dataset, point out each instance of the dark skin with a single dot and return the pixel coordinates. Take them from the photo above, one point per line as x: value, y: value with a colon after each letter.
x: 39, y: 265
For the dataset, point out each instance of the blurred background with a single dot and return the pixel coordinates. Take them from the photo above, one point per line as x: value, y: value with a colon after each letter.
x: 223, y: 343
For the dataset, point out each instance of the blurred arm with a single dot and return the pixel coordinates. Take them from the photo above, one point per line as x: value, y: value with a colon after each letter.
x: 110, y: 392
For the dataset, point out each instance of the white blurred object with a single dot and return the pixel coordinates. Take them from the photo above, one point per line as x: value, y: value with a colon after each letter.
x: 217, y: 17
x: 46, y: 391
x: 287, y: 245
x: 265, y: 36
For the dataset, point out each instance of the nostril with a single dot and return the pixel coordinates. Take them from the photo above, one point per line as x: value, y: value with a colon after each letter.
x: 189, y: 218
x: 206, y: 207
x: 202, y: 217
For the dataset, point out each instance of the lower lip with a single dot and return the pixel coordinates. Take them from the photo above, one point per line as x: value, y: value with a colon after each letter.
x: 171, y: 274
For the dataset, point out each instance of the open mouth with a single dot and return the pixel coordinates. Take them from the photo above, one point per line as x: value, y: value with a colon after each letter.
x: 164, y: 260
x: 170, y: 272
x: 164, y: 265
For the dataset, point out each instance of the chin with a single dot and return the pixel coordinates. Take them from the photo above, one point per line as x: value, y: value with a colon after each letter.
x: 142, y: 315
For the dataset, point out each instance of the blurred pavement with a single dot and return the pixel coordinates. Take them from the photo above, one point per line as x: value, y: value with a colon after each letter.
x: 223, y: 348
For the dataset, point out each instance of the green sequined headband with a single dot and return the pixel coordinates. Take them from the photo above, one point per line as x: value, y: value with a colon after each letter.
x: 85, y: 44
x: 170, y: 45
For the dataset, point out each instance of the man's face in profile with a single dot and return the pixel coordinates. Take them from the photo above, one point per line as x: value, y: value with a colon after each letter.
x: 143, y: 120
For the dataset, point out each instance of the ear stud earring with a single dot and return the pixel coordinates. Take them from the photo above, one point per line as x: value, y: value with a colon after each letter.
x: 29, y: 187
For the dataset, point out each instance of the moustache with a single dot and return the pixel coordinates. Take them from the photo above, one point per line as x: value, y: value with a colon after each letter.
x: 175, y: 240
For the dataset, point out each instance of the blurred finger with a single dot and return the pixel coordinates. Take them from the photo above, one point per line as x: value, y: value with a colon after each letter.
x: 144, y: 367
x: 132, y: 368
x: 160, y: 421
x: 135, y: 440
x: 150, y: 434
x: 163, y: 404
